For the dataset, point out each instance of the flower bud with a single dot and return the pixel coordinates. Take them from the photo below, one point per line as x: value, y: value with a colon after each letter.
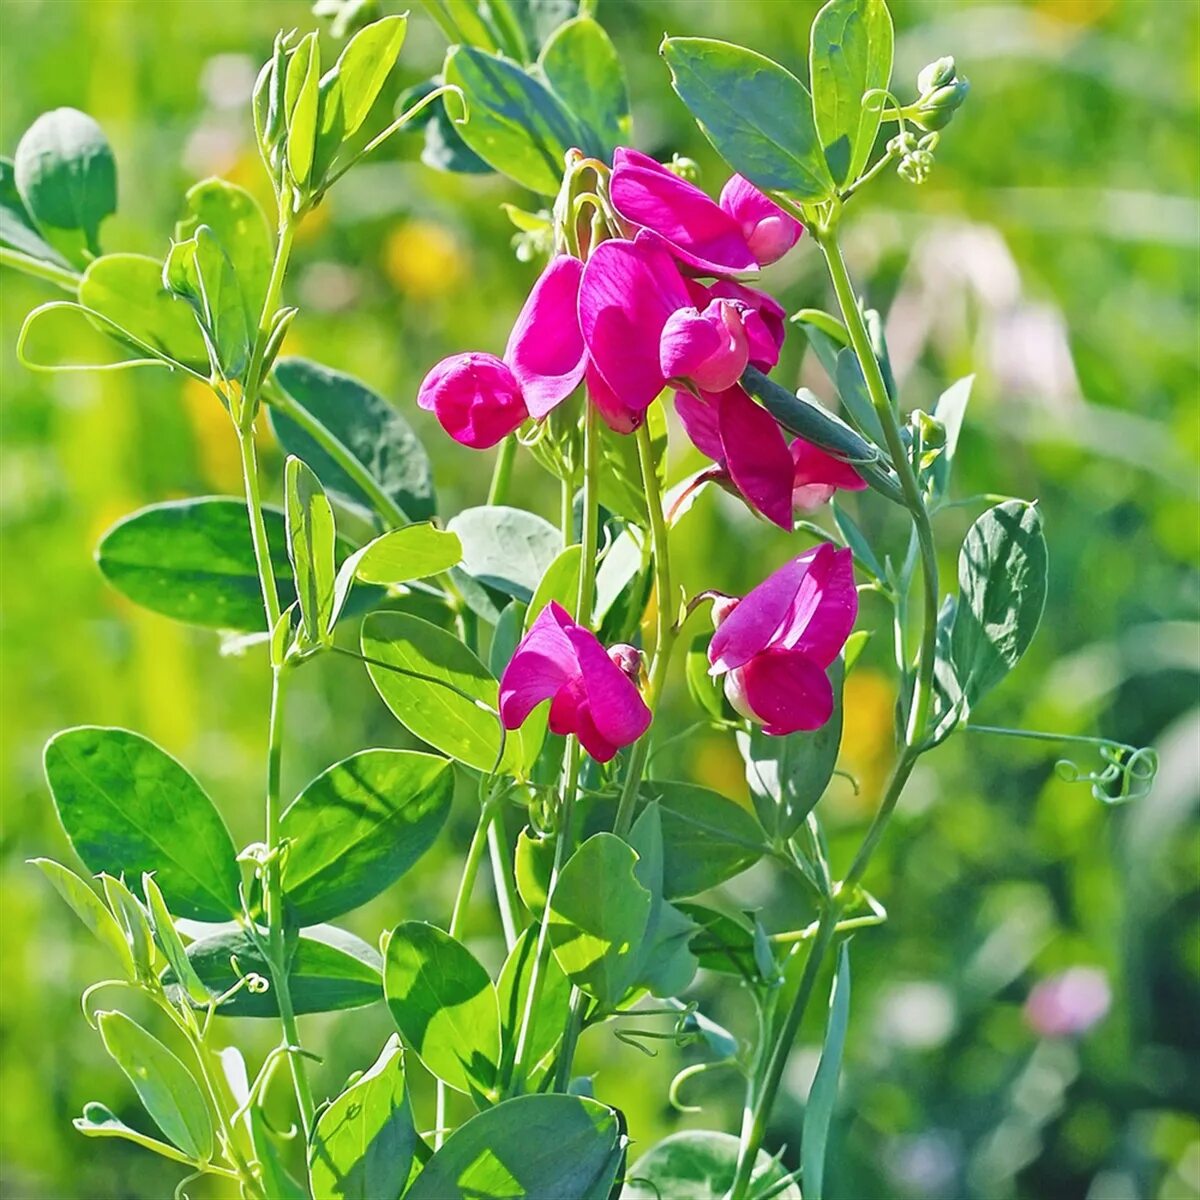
x: 936, y: 111
x: 936, y: 75
x: 475, y: 397
x: 722, y: 606
x: 685, y: 168
x: 628, y: 658
x: 708, y: 349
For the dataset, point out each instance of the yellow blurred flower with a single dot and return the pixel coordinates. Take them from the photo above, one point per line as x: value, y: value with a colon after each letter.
x: 424, y: 260
x: 216, y: 442
x: 868, y: 732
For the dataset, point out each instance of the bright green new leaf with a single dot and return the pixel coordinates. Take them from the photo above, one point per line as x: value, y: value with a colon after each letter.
x: 444, y: 1005
x: 560, y: 583
x: 699, y: 1164
x: 414, y: 552
x: 508, y: 549
x: 598, y: 916
x: 302, y: 104
x: 950, y: 410
x: 851, y: 55
x: 89, y: 908
x: 359, y: 826
x: 582, y: 66
x: 818, y: 1111
x: 134, y: 924
x: 129, y: 807
x: 170, y: 943
x: 363, y: 1143
x: 703, y: 688
x: 67, y: 176
x: 541, y: 1147
x: 164, y: 1085
x: 757, y: 115
x: 311, y: 538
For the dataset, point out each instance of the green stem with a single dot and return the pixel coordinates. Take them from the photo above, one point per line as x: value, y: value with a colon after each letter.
x: 665, y: 627
x: 276, y: 939
x: 502, y: 471
x: 507, y: 899
x: 28, y: 265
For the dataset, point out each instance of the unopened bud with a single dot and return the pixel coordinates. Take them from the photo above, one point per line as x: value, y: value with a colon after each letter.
x: 722, y: 606
x: 933, y: 432
x: 936, y: 75
x: 628, y: 658
x: 937, y: 110
x: 685, y: 168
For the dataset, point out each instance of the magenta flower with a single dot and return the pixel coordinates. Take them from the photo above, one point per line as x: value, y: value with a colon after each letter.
x: 818, y: 475
x: 476, y: 398
x: 1069, y: 1003
x: 762, y: 315
x: 592, y: 692
x: 743, y: 232
x: 775, y: 645
x: 769, y: 231
x: 642, y: 331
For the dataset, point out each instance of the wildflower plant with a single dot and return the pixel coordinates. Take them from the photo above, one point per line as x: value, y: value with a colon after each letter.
x: 529, y: 658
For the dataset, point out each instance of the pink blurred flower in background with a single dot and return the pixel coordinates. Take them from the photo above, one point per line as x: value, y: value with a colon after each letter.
x: 1069, y: 1003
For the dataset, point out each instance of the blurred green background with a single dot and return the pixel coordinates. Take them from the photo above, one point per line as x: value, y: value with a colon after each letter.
x: 1054, y: 252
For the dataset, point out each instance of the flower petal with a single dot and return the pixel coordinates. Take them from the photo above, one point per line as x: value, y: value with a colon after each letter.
x: 546, y: 350
x: 756, y: 453
x: 629, y: 290
x: 617, y: 416
x: 542, y: 665
x: 785, y: 690
x: 476, y: 398
x: 813, y: 466
x: 769, y: 231
x: 614, y: 704
x: 707, y: 349
x: 701, y: 234
x: 699, y: 418
x: 762, y: 315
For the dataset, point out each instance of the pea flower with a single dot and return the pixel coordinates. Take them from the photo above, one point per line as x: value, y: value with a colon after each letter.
x: 775, y: 478
x: 775, y: 645
x: 480, y: 399
x: 744, y: 231
x: 592, y: 692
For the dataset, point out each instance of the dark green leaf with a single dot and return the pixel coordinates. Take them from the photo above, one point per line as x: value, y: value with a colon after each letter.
x: 598, y: 916
x: 66, y: 174
x: 546, y: 1026
x: 363, y: 1143
x: 788, y: 775
x: 359, y: 826
x: 444, y: 1004
x: 17, y: 229
x: 163, y: 1084
x: 373, y: 432
x: 722, y: 942
x: 1002, y: 590
x: 311, y: 537
x: 818, y: 1111
x: 329, y: 970
x: 852, y: 390
x: 698, y: 1164
x: 193, y: 560
x: 583, y: 68
x: 857, y: 541
x: 506, y: 637
x: 757, y: 115
x: 852, y: 45
x: 540, y: 18
x: 515, y: 123
x: 89, y: 908
x: 129, y: 807
x: 506, y: 548
x: 552, y: 1147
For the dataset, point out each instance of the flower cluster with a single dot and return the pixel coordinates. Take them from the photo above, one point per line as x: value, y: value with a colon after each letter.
x: 659, y: 306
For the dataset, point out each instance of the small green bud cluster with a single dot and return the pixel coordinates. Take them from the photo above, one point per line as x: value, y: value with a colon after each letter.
x: 915, y: 154
x: 685, y: 168
x: 941, y: 92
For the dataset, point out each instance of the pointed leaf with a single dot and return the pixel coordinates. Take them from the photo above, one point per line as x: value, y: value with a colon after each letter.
x: 311, y: 537
x: 414, y: 552
x: 89, y: 908
x: 699, y: 1164
x: 818, y: 1112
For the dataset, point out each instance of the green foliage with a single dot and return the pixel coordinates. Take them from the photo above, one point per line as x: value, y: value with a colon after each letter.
x: 89, y: 908
x: 698, y: 1164
x: 310, y: 540
x: 414, y: 552
x: 582, y: 67
x: 505, y: 548
x: 818, y: 1112
x: 512, y: 993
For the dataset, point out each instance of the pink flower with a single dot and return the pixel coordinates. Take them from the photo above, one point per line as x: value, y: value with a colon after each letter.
x: 748, y: 445
x: 480, y: 399
x: 1069, y: 1003
x: 743, y: 232
x: 590, y: 691
x: 476, y: 398
x: 775, y: 645
x: 762, y: 315
x: 769, y: 231
x: 642, y: 331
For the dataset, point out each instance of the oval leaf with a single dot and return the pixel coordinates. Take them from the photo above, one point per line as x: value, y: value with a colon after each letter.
x: 699, y: 1164
x: 414, y: 552
x: 359, y: 826
x: 582, y: 66
x: 129, y: 807
x: 311, y: 537
x: 508, y: 549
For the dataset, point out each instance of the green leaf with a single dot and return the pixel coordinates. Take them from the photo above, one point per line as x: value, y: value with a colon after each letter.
x: 757, y: 115
x: 704, y: 689
x: 163, y: 1084
x: 66, y: 175
x: 560, y: 583
x: 699, y: 1164
x: 818, y: 1111
x: 857, y: 541
x: 302, y: 103
x: 533, y: 865
x: 376, y: 436
x: 311, y: 537
x: 458, y: 719
x: 540, y: 18
x: 170, y: 943
x: 100, y: 1122
x: 128, y: 290
x: 17, y: 229
x: 1002, y: 590
x: 950, y: 410
x: 239, y: 226
x: 722, y: 942
x: 508, y: 549
x: 193, y: 560
x: 276, y: 1182
x: 542, y: 1147
x: 516, y: 124
x: 584, y: 70
x: 546, y: 1027
x: 414, y: 552
x: 598, y: 916
x: 506, y: 637
x: 129, y: 807
x: 329, y: 970
x: 134, y: 924
x: 852, y: 47
x: 362, y: 1146
x: 707, y: 839
x: 443, y: 1003
x: 856, y: 400
x: 89, y: 908
x: 788, y: 775
x: 359, y: 826
x: 621, y: 488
